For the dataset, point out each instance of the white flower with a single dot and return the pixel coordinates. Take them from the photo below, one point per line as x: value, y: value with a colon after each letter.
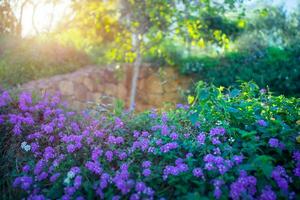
x: 67, y: 181
x: 218, y: 123
x: 23, y: 144
x: 27, y: 148
x: 231, y: 139
x: 70, y: 175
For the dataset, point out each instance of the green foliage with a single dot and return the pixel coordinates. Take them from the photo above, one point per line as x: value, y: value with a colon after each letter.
x: 279, y: 69
x: 23, y: 60
x: 8, y: 20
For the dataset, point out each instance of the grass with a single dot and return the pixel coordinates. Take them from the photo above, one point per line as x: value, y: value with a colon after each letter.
x: 23, y: 60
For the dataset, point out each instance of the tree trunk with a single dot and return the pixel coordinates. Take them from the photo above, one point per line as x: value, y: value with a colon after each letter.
x: 136, y: 69
x: 33, y: 18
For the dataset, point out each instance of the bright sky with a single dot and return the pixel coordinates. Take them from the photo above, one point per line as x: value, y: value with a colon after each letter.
x: 42, y: 18
x: 289, y: 5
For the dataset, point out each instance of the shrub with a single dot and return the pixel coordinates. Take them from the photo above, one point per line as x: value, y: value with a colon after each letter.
x: 274, y: 67
x: 239, y: 143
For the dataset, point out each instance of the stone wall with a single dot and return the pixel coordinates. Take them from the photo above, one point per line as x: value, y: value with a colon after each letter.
x: 92, y: 83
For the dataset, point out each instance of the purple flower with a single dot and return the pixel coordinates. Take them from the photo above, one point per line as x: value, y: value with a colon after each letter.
x: 94, y: 167
x: 217, y: 191
x: 49, y: 153
x: 25, y: 101
x: 134, y: 197
x: 296, y: 156
x: 262, y: 122
x: 297, y: 169
x: 77, y: 181
x: 42, y: 176
x: 217, y: 131
x: 174, y: 136
x: 153, y: 114
x: 281, y: 178
x: 164, y: 130
x: 48, y: 128
x: 75, y: 170
x: 146, y: 164
x: 140, y: 187
x: 70, y: 190
x: 215, y: 141
x: 26, y: 168
x: 39, y: 167
x: 189, y: 155
x: 267, y: 194
x: 238, y: 159
x: 99, y: 134
x: 96, y: 153
x: 71, y: 148
x: 122, y: 155
x: 25, y: 182
x: 54, y: 177
x: 263, y: 91
x: 146, y: 172
x: 4, y: 99
x: 164, y: 118
x: 243, y: 185
x: 136, y: 134
x: 197, y: 172
x: 158, y: 142
x: 178, y: 161
x: 182, y: 106
x: 145, y: 134
x: 273, y: 142
x: 201, y: 138
x: 182, y: 167
x: 169, y: 146
x: 118, y: 123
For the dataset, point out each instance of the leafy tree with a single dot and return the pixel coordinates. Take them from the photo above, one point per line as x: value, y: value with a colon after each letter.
x: 8, y: 21
x: 137, y: 26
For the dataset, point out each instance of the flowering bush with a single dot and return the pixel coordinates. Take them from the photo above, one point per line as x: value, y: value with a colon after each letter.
x: 240, y: 144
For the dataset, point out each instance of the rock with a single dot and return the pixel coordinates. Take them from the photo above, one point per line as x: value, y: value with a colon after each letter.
x: 66, y: 87
x: 90, y: 84
x: 80, y: 92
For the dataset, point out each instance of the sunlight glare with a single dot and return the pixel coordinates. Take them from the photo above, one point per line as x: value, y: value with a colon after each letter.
x: 45, y: 17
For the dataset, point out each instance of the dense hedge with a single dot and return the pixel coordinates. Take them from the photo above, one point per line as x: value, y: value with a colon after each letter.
x: 239, y: 143
x: 274, y: 67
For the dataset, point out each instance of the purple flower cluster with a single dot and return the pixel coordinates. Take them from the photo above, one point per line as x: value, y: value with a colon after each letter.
x: 267, y: 194
x: 4, y: 99
x: 281, y: 178
x: 217, y: 162
x: 197, y: 172
x: 218, y: 131
x: 244, y: 185
x: 275, y: 143
x: 215, y: 134
x: 296, y: 156
x: 201, y: 138
x: 262, y: 123
x: 217, y: 184
x: 111, y: 156
x: 179, y: 167
x: 24, y: 182
x: 168, y: 147
x: 182, y: 106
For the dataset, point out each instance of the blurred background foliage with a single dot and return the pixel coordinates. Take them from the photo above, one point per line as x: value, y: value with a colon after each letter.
x: 207, y: 40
